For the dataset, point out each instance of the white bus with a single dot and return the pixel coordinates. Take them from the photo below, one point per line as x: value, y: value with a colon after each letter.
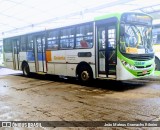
x: 110, y: 47
x: 156, y: 45
x: 1, y: 55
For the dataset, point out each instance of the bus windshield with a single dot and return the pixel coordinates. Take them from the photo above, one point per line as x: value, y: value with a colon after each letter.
x: 136, y: 34
x: 136, y: 39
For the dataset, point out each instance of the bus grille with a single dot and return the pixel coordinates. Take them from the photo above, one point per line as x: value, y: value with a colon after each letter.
x: 141, y: 67
x: 143, y: 74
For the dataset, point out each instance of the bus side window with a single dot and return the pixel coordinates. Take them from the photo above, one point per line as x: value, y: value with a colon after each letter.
x: 84, y: 44
x: 67, y: 38
x: 23, y: 43
x: 53, y: 40
x: 30, y: 46
x: 7, y: 45
x: 84, y: 36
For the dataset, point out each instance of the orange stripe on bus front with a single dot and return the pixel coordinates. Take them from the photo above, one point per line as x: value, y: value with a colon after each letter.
x: 48, y: 56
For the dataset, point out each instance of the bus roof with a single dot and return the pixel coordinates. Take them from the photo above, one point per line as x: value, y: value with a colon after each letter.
x: 118, y: 15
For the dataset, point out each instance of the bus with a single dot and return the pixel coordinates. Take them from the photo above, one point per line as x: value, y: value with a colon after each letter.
x: 117, y: 46
x: 1, y: 54
x: 156, y: 45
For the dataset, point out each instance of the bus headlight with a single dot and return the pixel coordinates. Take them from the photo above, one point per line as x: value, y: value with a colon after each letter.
x: 131, y: 67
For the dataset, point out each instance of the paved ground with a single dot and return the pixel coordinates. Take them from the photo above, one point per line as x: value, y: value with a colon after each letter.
x: 53, y: 99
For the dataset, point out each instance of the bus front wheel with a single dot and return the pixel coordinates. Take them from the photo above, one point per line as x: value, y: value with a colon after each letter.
x: 85, y: 74
x: 26, y: 70
x: 157, y: 63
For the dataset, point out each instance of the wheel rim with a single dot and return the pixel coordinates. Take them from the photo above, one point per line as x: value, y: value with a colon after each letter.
x: 84, y: 75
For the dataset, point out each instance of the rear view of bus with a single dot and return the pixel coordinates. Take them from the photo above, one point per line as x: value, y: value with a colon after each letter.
x: 135, y: 53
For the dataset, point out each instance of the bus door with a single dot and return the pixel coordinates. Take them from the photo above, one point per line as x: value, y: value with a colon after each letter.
x: 15, y: 44
x: 40, y: 57
x: 106, y: 47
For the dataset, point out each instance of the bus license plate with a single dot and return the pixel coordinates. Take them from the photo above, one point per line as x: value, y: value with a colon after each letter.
x: 144, y: 72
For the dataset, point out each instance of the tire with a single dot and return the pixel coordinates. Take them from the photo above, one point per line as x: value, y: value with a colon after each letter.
x: 157, y: 64
x: 85, y: 74
x: 26, y: 70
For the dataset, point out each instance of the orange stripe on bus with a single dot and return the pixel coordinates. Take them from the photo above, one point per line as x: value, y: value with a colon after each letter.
x: 48, y: 56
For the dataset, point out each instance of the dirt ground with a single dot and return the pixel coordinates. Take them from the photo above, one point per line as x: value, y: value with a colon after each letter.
x: 48, y: 98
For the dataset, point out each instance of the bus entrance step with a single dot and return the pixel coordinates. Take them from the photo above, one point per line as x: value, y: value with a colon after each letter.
x: 102, y: 76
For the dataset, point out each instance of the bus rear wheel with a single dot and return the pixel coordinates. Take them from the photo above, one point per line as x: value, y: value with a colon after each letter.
x: 26, y: 70
x: 85, y: 74
x: 157, y: 63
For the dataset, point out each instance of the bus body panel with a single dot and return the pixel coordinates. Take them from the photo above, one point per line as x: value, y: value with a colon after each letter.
x: 9, y: 60
x: 79, y: 55
x: 50, y: 68
x: 16, y: 62
x: 9, y: 65
x: 60, y: 69
x: 22, y: 56
x: 73, y: 58
x: 32, y: 66
x: 71, y: 70
x: 64, y: 62
x: 122, y: 73
x: 59, y: 60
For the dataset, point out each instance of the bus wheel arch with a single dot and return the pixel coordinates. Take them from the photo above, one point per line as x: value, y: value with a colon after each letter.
x: 84, y: 72
x: 157, y: 64
x: 25, y: 68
